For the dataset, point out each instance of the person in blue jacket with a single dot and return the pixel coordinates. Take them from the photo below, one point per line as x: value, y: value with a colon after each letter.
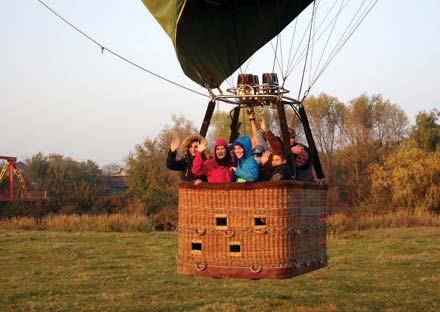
x: 246, y: 167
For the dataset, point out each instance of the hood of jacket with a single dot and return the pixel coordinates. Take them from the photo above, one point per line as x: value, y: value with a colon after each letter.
x: 184, y: 148
x: 246, y: 143
x: 228, y: 159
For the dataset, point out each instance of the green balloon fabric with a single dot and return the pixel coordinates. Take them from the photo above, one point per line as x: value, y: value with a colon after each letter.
x: 212, y: 38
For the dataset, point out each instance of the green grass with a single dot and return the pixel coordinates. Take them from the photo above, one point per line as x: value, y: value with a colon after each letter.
x: 393, y: 269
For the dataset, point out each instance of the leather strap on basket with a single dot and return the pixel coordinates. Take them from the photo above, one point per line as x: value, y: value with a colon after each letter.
x: 229, y: 233
x: 200, y: 232
x: 201, y: 266
x: 261, y: 231
x: 256, y: 268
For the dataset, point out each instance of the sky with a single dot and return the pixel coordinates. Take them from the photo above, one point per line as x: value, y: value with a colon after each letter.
x: 60, y: 94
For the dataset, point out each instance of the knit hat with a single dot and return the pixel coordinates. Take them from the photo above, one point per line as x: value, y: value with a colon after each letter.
x: 259, y: 149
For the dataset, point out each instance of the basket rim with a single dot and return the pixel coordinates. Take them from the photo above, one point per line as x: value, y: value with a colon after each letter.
x: 253, y: 185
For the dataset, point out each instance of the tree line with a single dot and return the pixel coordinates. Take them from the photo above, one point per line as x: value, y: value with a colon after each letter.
x: 374, y: 160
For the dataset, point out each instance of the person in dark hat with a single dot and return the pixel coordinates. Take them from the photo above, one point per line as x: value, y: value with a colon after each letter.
x: 275, y: 166
x: 303, y: 163
x: 292, y: 137
x: 257, y: 153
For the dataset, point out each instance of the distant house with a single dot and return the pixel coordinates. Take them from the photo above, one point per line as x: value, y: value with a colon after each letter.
x: 114, y: 184
x: 122, y: 172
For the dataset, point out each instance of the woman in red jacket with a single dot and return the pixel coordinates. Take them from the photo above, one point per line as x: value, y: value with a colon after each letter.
x: 217, y: 169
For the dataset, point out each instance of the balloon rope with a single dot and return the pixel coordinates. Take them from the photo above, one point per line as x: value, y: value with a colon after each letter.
x: 116, y: 54
x: 340, y: 45
x: 281, y: 38
x: 290, y: 52
x: 328, y: 39
x: 289, y: 66
x: 317, y: 2
x: 307, y: 53
x: 275, y: 53
x: 297, y: 60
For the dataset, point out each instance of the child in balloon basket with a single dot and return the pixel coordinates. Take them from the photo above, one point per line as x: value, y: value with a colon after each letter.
x: 184, y: 165
x: 301, y: 153
x: 274, y: 159
x: 246, y: 167
x: 280, y: 168
x: 262, y: 155
x: 217, y: 169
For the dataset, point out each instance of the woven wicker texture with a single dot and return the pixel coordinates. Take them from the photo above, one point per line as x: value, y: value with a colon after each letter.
x: 252, y: 226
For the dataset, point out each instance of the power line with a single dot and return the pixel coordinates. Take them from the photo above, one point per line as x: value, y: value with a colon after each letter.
x: 116, y: 54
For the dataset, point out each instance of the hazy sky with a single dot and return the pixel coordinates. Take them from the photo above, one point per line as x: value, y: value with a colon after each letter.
x: 58, y: 93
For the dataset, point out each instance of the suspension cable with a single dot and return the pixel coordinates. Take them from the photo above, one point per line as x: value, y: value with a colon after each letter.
x: 312, y: 40
x: 341, y: 38
x: 308, y: 45
x: 290, y: 51
x: 328, y: 39
x: 297, y: 49
x: 281, y: 39
x: 357, y: 24
x: 103, y: 48
x: 302, y: 55
x: 275, y: 53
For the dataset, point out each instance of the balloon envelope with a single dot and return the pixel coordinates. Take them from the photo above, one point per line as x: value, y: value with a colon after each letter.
x: 212, y: 38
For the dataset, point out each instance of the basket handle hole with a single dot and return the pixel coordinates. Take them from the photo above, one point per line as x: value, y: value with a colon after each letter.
x: 260, y: 221
x: 221, y: 221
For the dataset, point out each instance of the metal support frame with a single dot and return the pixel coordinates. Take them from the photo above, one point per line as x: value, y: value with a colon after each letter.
x: 207, y: 119
x: 285, y: 135
x: 282, y: 100
x: 311, y: 142
x: 235, y: 125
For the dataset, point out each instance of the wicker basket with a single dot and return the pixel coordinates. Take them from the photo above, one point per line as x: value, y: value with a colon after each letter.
x: 252, y: 230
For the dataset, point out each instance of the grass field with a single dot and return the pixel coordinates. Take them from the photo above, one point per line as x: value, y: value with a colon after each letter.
x: 392, y: 269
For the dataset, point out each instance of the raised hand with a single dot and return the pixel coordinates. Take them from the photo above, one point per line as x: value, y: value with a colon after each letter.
x: 251, y: 114
x: 263, y: 125
x: 297, y: 149
x: 265, y: 157
x: 202, y: 145
x: 175, y: 143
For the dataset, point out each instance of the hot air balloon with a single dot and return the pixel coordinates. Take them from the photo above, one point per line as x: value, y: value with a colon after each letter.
x: 244, y: 230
